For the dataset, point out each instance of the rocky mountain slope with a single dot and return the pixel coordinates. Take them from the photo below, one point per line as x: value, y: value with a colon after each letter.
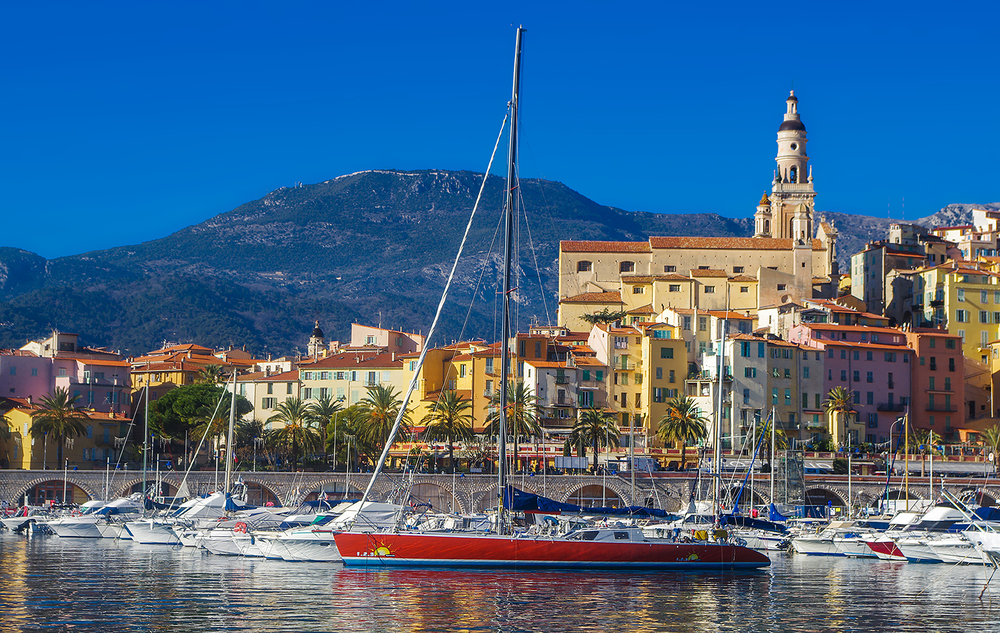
x: 374, y: 247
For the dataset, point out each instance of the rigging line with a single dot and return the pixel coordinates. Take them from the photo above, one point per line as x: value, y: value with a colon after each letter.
x: 534, y: 257
x: 430, y: 333
x: 208, y: 427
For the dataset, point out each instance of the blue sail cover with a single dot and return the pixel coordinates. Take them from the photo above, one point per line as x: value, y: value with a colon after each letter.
x: 774, y: 515
x: 750, y: 522
x: 520, y: 501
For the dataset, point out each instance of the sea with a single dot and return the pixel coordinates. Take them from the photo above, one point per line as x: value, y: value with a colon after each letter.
x: 49, y: 583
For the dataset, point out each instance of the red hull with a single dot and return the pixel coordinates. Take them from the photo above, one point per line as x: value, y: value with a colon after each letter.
x: 886, y: 549
x: 459, y: 550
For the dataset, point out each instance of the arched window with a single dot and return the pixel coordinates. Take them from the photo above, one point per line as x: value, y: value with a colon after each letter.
x: 584, y: 267
x: 793, y: 174
x: 767, y: 226
x: 626, y: 267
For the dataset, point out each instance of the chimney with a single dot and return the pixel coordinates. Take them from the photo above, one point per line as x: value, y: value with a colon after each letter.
x: 29, y: 400
x: 394, y: 357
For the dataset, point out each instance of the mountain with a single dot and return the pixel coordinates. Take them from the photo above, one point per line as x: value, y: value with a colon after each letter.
x: 374, y: 247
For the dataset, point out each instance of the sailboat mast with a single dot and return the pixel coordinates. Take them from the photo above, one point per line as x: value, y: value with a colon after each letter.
x: 229, y: 437
x: 505, y: 332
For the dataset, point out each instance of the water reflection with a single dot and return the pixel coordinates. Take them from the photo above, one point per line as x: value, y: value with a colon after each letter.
x: 47, y: 582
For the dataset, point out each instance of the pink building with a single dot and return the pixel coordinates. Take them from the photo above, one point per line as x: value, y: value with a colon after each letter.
x: 389, y: 340
x: 874, y: 364
x: 938, y: 382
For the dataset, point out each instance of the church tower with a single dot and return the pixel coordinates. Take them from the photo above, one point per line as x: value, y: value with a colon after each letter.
x: 317, y: 343
x: 792, y: 193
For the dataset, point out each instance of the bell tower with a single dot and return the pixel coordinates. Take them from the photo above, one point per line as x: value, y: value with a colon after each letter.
x: 792, y: 193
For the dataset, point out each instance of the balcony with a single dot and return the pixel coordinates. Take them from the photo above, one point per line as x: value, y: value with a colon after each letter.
x: 562, y: 379
x: 815, y: 426
x: 937, y: 303
x: 891, y: 406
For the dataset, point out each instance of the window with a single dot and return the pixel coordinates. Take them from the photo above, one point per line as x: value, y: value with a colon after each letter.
x: 666, y: 352
x: 674, y: 288
x: 599, y: 375
x: 843, y: 354
x: 805, y: 372
x: 774, y: 396
x: 788, y: 397
x: 890, y: 357
x: 270, y: 403
x: 949, y: 343
x: 673, y: 376
x: 288, y: 388
x: 658, y: 394
x: 626, y: 267
x: 788, y: 372
x: 829, y: 353
x: 870, y: 377
x: 984, y: 316
x: 702, y: 323
x: 584, y: 267
x: 670, y: 269
x: 760, y: 350
x: 709, y: 290
x: 307, y: 394
x: 659, y: 373
x: 687, y: 323
x: 750, y: 372
x: 270, y: 388
x: 781, y: 287
x: 962, y: 316
x: 744, y: 288
x: 737, y: 269
x: 638, y: 290
x: 984, y: 296
x: 34, y: 371
x: 805, y: 400
x: 857, y: 397
x: 951, y: 364
x: 818, y: 403
x: 843, y: 375
x: 870, y: 398
x: 857, y: 376
x: 961, y: 294
x: 947, y: 383
x: 869, y: 356
x: 856, y: 355
x: 13, y: 371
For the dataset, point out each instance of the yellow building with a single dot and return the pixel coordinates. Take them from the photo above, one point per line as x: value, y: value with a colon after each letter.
x: 961, y: 298
x: 348, y: 375
x: 172, y: 367
x: 470, y: 368
x: 88, y: 451
x: 664, y: 357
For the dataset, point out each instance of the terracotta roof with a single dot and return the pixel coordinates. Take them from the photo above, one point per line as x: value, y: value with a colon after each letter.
x: 722, y: 314
x: 651, y: 278
x: 743, y: 278
x: 646, y: 309
x: 706, y: 272
x: 594, y: 297
x: 572, y: 246
x: 588, y: 361
x: 260, y: 376
x: 347, y: 361
x: 852, y: 328
x: 545, y: 364
x: 729, y: 243
x: 18, y: 352
x: 863, y: 345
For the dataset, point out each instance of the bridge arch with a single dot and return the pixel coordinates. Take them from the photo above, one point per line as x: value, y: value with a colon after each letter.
x: 42, y: 489
x: 823, y: 496
x: 595, y: 495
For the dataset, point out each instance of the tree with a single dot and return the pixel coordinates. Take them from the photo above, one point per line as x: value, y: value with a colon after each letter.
x: 58, y: 416
x: 596, y: 428
x: 297, y: 428
x: 246, y: 436
x: 991, y: 438
x: 604, y: 316
x: 924, y: 441
x: 449, y: 420
x: 840, y: 402
x: 210, y: 375
x: 378, y: 412
x: 195, y: 409
x: 522, y: 414
x: 683, y: 423
x: 323, y: 412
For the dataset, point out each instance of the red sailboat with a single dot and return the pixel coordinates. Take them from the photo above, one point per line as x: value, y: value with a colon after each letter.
x: 591, y: 548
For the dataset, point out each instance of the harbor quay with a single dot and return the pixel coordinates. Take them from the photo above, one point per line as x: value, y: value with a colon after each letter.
x: 463, y: 492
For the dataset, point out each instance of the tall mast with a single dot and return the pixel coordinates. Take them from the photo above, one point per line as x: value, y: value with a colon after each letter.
x: 508, y: 250
x: 229, y: 437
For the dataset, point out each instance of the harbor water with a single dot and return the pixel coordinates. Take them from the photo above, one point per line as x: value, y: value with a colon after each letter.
x: 50, y: 583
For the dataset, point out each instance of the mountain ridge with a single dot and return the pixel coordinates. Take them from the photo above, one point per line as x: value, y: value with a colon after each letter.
x: 373, y: 246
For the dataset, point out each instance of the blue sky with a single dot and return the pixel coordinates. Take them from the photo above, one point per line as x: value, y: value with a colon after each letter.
x: 124, y: 122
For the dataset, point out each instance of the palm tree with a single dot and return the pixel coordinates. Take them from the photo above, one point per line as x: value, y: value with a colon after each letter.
x: 378, y: 411
x: 210, y: 374
x: 991, y: 437
x: 449, y: 420
x: 297, y: 428
x: 58, y: 415
x: 684, y: 423
x: 840, y: 402
x: 596, y: 428
x: 323, y: 411
x: 522, y: 414
x: 928, y: 439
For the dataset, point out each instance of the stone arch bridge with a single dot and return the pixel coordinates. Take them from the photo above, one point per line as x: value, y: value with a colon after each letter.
x: 669, y: 491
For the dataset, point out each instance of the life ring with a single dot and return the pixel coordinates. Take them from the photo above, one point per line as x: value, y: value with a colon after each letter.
x: 240, y: 527
x: 74, y: 513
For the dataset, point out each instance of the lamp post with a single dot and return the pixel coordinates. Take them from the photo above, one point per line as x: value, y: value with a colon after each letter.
x: 336, y: 415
